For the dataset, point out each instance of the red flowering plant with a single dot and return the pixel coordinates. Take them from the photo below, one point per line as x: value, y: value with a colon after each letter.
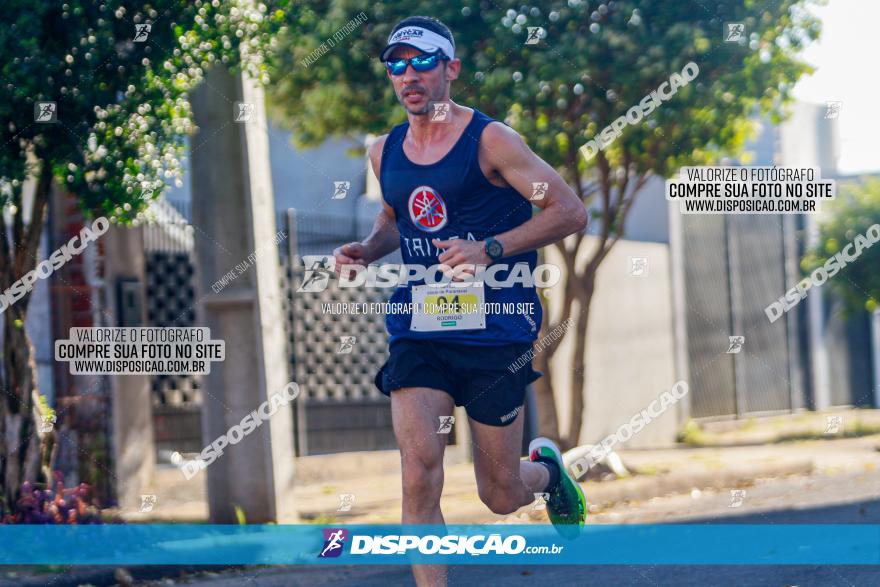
x: 75, y: 505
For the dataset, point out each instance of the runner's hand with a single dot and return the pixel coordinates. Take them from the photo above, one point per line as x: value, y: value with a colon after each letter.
x: 349, y: 254
x: 461, y: 253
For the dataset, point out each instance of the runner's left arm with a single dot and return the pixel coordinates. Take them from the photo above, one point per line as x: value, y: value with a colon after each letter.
x: 562, y: 212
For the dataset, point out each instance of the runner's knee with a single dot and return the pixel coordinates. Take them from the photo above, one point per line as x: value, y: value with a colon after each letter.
x: 422, y: 477
x: 498, y: 496
x: 500, y: 502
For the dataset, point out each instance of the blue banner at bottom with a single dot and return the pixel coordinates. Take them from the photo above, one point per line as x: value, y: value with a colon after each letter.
x: 298, y: 544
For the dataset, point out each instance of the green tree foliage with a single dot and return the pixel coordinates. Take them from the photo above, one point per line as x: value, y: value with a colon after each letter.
x: 594, y: 63
x: 851, y: 215
x: 122, y: 105
x: 122, y: 114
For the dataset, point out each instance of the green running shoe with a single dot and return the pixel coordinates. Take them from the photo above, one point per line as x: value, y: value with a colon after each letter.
x: 566, y: 506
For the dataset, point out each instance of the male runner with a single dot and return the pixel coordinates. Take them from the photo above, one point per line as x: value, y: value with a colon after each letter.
x: 456, y: 187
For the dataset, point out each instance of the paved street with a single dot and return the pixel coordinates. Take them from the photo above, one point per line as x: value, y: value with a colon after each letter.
x: 849, y: 498
x: 843, y: 488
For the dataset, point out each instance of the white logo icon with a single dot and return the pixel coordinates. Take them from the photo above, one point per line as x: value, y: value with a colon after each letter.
x: 833, y: 424
x: 446, y: 423
x: 319, y: 268
x: 541, y: 500
x: 638, y: 266
x: 440, y: 112
x: 539, y: 190
x: 243, y: 111
x: 535, y: 34
x: 832, y: 109
x: 141, y: 32
x: 734, y: 32
x: 47, y: 423
x: 346, y: 500
x: 735, y: 344
x: 340, y: 189
x: 148, y: 502
x: 45, y: 112
x: 346, y: 345
x: 333, y: 543
x: 737, y: 496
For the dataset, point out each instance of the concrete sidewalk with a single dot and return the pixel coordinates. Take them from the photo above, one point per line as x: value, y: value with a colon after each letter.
x: 733, y: 459
x: 827, y: 425
x: 658, y: 473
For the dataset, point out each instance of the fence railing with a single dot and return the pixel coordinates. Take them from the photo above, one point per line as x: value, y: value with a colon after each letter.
x: 316, y: 234
x: 341, y: 410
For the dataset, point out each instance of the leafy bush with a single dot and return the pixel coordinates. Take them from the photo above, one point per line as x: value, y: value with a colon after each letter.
x: 856, y: 209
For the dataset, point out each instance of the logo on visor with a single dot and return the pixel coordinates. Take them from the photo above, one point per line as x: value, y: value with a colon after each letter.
x: 408, y: 33
x: 427, y: 209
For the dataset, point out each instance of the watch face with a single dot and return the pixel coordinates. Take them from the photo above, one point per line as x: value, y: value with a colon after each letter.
x: 494, y: 249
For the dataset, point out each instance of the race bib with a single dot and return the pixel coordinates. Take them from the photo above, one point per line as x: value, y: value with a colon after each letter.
x: 448, y: 307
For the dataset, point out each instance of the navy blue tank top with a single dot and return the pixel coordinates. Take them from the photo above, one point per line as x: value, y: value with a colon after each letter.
x: 452, y: 198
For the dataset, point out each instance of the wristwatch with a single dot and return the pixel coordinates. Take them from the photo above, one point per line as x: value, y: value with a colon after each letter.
x: 494, y: 249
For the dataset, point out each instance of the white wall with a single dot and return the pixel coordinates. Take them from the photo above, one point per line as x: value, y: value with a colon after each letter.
x: 630, y: 348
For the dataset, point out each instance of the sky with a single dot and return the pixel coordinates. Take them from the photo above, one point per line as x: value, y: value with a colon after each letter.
x: 847, y: 61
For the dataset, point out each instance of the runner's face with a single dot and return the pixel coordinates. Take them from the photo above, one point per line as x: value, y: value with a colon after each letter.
x: 416, y: 90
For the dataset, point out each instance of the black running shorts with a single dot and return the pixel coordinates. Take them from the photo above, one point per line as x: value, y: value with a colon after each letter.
x: 489, y: 381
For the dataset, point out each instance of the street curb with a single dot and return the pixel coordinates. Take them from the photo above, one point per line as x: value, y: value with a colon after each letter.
x: 105, y: 575
x: 345, y: 466
x: 639, y: 488
x: 642, y: 488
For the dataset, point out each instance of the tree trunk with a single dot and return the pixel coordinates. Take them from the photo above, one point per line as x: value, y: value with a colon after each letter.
x: 21, y: 441
x: 24, y: 450
x: 548, y: 423
x: 579, y: 287
x: 577, y: 389
x: 548, y: 419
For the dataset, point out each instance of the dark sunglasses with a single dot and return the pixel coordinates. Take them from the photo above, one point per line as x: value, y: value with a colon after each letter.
x: 422, y: 62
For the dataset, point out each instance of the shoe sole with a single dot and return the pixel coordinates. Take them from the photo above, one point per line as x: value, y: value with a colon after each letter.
x: 565, y: 477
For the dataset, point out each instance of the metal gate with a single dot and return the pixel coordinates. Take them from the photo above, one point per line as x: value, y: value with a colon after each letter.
x: 171, y: 301
x: 334, y: 355
x: 340, y: 409
x: 734, y: 266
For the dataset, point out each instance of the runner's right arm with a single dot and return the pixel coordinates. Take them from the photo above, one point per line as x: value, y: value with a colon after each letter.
x: 384, y: 238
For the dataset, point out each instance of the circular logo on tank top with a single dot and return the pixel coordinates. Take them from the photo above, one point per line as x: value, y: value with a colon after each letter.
x: 427, y: 209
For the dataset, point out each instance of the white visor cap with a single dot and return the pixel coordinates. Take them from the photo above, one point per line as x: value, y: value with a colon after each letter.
x: 420, y: 38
